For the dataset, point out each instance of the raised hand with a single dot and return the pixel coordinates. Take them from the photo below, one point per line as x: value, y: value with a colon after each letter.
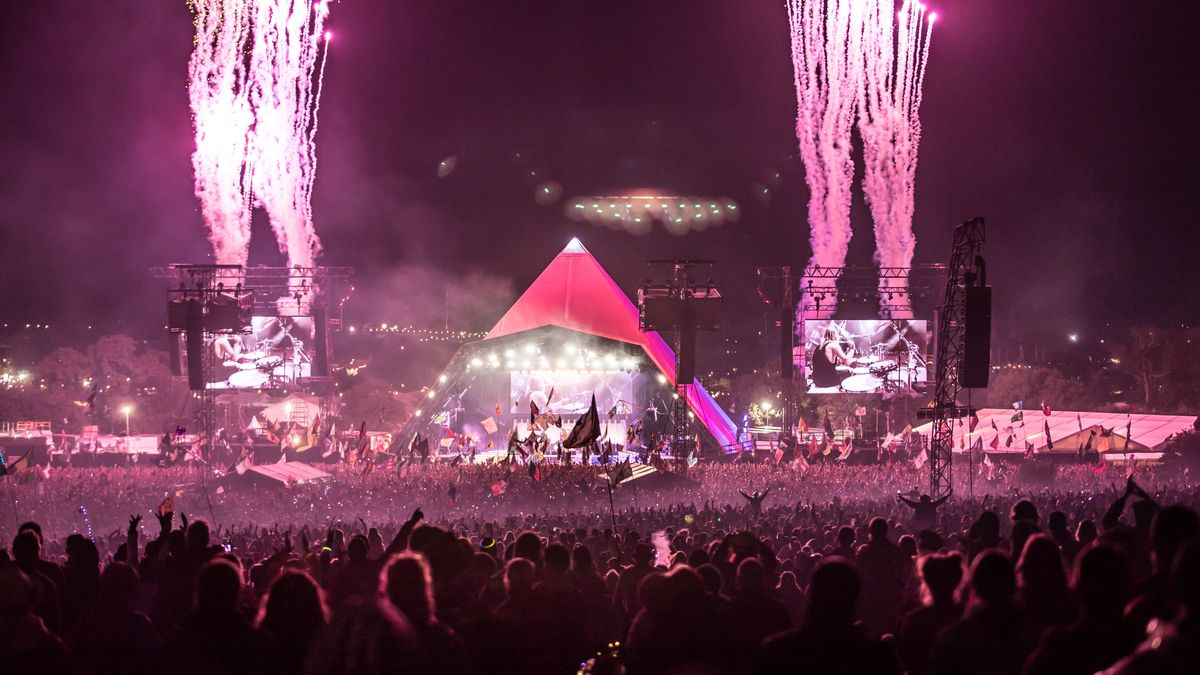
x: 134, y: 521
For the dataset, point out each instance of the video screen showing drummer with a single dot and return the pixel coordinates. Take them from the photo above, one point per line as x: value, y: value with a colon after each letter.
x: 271, y: 351
x: 865, y: 356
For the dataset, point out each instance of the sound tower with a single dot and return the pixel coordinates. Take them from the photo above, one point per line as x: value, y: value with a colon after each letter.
x: 195, y: 345
x: 975, y: 368
x: 320, y: 358
x: 687, y: 346
x: 173, y: 355
x: 787, y: 326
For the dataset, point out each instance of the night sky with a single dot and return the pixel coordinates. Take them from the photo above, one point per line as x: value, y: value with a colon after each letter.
x: 1070, y: 125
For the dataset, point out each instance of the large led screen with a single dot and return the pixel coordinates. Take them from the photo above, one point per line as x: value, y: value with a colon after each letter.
x: 869, y: 356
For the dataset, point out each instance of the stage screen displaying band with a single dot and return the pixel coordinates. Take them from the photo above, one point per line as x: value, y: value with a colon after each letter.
x: 273, y: 351
x: 870, y: 356
x: 572, y: 391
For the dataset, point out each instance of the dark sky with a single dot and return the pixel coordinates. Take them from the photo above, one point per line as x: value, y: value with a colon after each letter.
x: 1069, y: 124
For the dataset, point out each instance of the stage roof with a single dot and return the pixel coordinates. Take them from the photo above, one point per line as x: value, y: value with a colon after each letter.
x: 1147, y: 431
x: 574, y: 292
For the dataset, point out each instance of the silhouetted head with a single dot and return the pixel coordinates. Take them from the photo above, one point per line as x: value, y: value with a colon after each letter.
x: 925, y: 499
x: 529, y: 547
x: 26, y: 548
x: 988, y: 524
x: 1172, y: 526
x: 643, y: 554
x: 31, y: 526
x: 581, y: 560
x: 878, y: 529
x: 293, y: 607
x: 197, y: 535
x: 750, y: 578
x: 1102, y: 583
x: 119, y: 584
x: 711, y: 576
x: 556, y: 561
x: 1024, y: 510
x: 407, y: 584
x: 217, y: 587
x: 846, y: 536
x: 519, y: 576
x: 1041, y: 565
x: 940, y: 576
x: 833, y: 592
x: 357, y: 549
x: 992, y: 579
x: 1057, y: 521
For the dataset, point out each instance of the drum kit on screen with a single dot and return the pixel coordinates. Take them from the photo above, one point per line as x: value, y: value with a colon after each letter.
x: 884, y: 369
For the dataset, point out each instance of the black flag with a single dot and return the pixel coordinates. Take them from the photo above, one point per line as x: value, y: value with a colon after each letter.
x: 586, y: 429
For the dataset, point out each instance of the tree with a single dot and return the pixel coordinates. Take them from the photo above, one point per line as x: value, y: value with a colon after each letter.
x: 1142, y: 356
x: 371, y: 399
x: 1034, y: 385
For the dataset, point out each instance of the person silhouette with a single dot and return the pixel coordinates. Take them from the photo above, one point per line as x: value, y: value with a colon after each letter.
x: 755, y: 500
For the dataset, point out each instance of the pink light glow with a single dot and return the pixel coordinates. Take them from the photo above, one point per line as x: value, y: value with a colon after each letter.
x: 329, y: 34
x: 933, y: 17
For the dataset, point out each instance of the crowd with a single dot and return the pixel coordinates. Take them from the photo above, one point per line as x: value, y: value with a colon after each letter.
x: 740, y: 568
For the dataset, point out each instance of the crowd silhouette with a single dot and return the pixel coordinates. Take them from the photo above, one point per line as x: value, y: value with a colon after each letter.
x: 1045, y: 581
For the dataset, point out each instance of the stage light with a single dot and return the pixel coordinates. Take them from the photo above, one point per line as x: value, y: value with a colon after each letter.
x: 442, y: 378
x: 476, y: 362
x: 329, y: 34
x: 508, y: 353
x: 766, y: 405
x: 530, y: 349
x: 431, y: 393
x: 662, y: 379
x: 1073, y: 337
x: 418, y: 413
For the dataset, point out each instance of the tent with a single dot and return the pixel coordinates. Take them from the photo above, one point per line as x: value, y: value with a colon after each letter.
x: 277, y: 475
x: 575, y: 296
x: 1149, y: 432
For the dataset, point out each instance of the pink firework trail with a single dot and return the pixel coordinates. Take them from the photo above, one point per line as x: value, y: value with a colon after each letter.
x: 896, y: 53
x: 827, y: 57
x: 251, y: 91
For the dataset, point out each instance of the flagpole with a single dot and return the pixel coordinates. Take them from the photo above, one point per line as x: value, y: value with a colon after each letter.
x: 612, y: 511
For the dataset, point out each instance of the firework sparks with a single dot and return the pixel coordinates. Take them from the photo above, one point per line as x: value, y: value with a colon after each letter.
x: 255, y: 114
x: 827, y: 56
x: 896, y: 53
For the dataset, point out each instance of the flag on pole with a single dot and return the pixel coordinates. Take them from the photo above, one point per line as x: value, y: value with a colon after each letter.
x: 974, y: 421
x: 586, y: 429
x: 1046, y: 428
x: 1018, y: 416
x: 847, y: 448
x: 22, y: 463
x: 1128, y: 433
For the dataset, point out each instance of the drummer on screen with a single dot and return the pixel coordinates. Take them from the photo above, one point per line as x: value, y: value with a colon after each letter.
x: 831, y: 362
